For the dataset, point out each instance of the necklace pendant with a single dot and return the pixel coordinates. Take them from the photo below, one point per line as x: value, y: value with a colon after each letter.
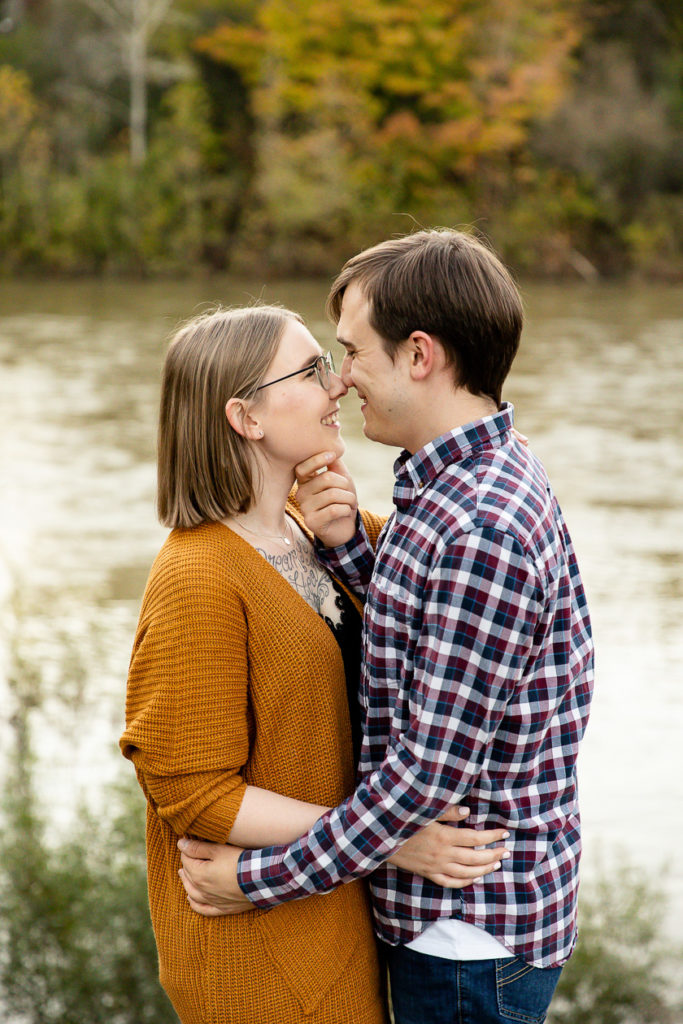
x: 286, y: 540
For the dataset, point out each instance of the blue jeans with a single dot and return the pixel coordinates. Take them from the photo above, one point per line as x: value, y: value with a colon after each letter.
x: 430, y: 990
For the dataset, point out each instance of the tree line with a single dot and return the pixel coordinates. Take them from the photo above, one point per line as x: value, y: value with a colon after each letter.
x: 279, y: 136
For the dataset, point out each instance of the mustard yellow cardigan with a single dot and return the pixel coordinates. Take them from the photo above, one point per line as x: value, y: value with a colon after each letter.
x: 235, y: 680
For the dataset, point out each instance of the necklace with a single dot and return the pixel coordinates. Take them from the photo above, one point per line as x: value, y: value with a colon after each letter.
x: 268, y: 536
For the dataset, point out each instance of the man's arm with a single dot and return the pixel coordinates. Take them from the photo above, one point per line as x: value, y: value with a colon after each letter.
x: 480, y: 610
x: 450, y: 857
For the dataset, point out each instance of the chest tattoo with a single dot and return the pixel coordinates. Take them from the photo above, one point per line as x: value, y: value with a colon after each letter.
x: 301, y: 570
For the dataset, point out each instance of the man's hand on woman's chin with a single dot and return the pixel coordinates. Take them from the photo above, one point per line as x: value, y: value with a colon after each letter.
x: 209, y: 874
x: 327, y: 498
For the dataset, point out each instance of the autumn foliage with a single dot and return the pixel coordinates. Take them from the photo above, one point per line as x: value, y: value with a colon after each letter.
x: 282, y: 135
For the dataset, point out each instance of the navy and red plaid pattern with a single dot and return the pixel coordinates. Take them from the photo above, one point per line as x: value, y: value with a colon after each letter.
x: 476, y: 683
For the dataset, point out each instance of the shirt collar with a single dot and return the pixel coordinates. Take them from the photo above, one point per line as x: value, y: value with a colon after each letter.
x: 414, y: 472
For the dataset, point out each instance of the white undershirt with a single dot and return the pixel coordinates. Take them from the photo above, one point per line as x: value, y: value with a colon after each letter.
x: 456, y: 940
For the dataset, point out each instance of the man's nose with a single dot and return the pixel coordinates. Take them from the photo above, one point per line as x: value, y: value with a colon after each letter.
x: 345, y: 372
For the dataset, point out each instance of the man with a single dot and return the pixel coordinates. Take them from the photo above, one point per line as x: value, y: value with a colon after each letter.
x: 477, y: 658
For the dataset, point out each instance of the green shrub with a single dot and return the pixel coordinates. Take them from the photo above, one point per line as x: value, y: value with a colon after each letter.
x: 622, y: 971
x: 76, y: 943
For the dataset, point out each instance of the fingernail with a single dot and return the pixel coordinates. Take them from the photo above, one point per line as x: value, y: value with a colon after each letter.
x: 462, y: 811
x: 183, y: 843
x: 496, y: 866
x: 506, y: 835
x: 504, y: 856
x: 478, y: 879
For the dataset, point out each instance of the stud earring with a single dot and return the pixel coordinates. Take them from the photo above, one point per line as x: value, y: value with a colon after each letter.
x: 260, y: 433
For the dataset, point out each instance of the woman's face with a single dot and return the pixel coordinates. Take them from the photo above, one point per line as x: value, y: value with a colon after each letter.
x: 298, y: 417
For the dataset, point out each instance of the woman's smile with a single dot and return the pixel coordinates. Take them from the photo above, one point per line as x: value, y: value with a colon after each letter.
x: 332, y: 419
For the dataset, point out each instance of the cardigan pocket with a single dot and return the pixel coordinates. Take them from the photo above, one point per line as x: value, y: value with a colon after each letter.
x: 311, y: 941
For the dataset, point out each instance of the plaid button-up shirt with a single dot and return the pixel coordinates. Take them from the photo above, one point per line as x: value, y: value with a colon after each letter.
x: 475, y: 688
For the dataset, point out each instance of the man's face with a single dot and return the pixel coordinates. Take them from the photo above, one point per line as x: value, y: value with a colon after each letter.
x: 381, y: 385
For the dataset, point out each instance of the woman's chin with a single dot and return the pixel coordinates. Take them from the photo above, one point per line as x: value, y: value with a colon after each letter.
x: 338, y: 447
x: 335, y: 445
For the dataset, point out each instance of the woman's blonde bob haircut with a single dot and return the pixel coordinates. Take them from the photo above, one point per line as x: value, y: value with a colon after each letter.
x: 205, y: 471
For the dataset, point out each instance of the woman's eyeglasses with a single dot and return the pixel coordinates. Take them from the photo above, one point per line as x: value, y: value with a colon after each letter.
x: 323, y: 366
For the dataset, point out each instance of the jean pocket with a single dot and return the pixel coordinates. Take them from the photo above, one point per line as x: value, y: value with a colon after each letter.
x: 524, y: 992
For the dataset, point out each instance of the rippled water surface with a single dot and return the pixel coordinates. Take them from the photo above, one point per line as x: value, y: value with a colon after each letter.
x: 597, y: 387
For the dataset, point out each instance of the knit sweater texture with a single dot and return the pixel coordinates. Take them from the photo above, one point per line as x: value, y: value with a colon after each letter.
x: 234, y: 680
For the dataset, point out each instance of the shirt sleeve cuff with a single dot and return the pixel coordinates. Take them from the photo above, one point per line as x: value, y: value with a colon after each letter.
x: 259, y: 876
x: 352, y: 562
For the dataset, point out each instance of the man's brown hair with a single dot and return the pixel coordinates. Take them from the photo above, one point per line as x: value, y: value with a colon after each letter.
x: 450, y: 285
x: 204, y: 469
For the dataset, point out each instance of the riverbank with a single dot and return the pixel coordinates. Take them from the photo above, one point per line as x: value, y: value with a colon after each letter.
x: 654, y: 257
x: 573, y: 267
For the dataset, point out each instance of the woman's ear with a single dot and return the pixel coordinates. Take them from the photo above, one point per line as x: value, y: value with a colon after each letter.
x: 242, y: 420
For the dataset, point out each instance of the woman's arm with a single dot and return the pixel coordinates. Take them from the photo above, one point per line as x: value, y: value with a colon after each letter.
x: 269, y: 819
x: 187, y: 714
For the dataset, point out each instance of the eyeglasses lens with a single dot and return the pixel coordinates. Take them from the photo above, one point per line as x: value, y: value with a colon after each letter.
x: 324, y: 366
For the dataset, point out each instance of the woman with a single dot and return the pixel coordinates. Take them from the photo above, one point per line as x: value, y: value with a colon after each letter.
x: 244, y: 663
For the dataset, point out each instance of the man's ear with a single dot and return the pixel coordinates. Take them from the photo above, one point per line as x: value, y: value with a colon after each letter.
x: 242, y: 420
x: 424, y: 354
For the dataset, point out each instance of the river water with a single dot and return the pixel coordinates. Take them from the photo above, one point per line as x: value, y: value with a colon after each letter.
x: 598, y: 389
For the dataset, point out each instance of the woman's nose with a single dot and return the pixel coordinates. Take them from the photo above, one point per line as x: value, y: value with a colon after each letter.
x: 337, y: 388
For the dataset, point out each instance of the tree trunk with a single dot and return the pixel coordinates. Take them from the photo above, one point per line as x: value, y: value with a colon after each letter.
x: 138, y: 84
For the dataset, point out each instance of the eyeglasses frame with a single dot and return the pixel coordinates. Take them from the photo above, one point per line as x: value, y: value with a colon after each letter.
x: 326, y: 360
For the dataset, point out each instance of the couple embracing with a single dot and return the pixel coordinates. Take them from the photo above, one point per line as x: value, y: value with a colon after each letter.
x: 291, y: 647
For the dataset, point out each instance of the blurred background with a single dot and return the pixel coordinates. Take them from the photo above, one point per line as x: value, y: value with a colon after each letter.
x: 159, y: 157
x: 268, y: 135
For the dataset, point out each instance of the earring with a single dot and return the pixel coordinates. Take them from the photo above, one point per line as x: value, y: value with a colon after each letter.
x: 260, y: 433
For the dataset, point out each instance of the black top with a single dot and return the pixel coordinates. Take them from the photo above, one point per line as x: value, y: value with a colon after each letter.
x: 348, y: 635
